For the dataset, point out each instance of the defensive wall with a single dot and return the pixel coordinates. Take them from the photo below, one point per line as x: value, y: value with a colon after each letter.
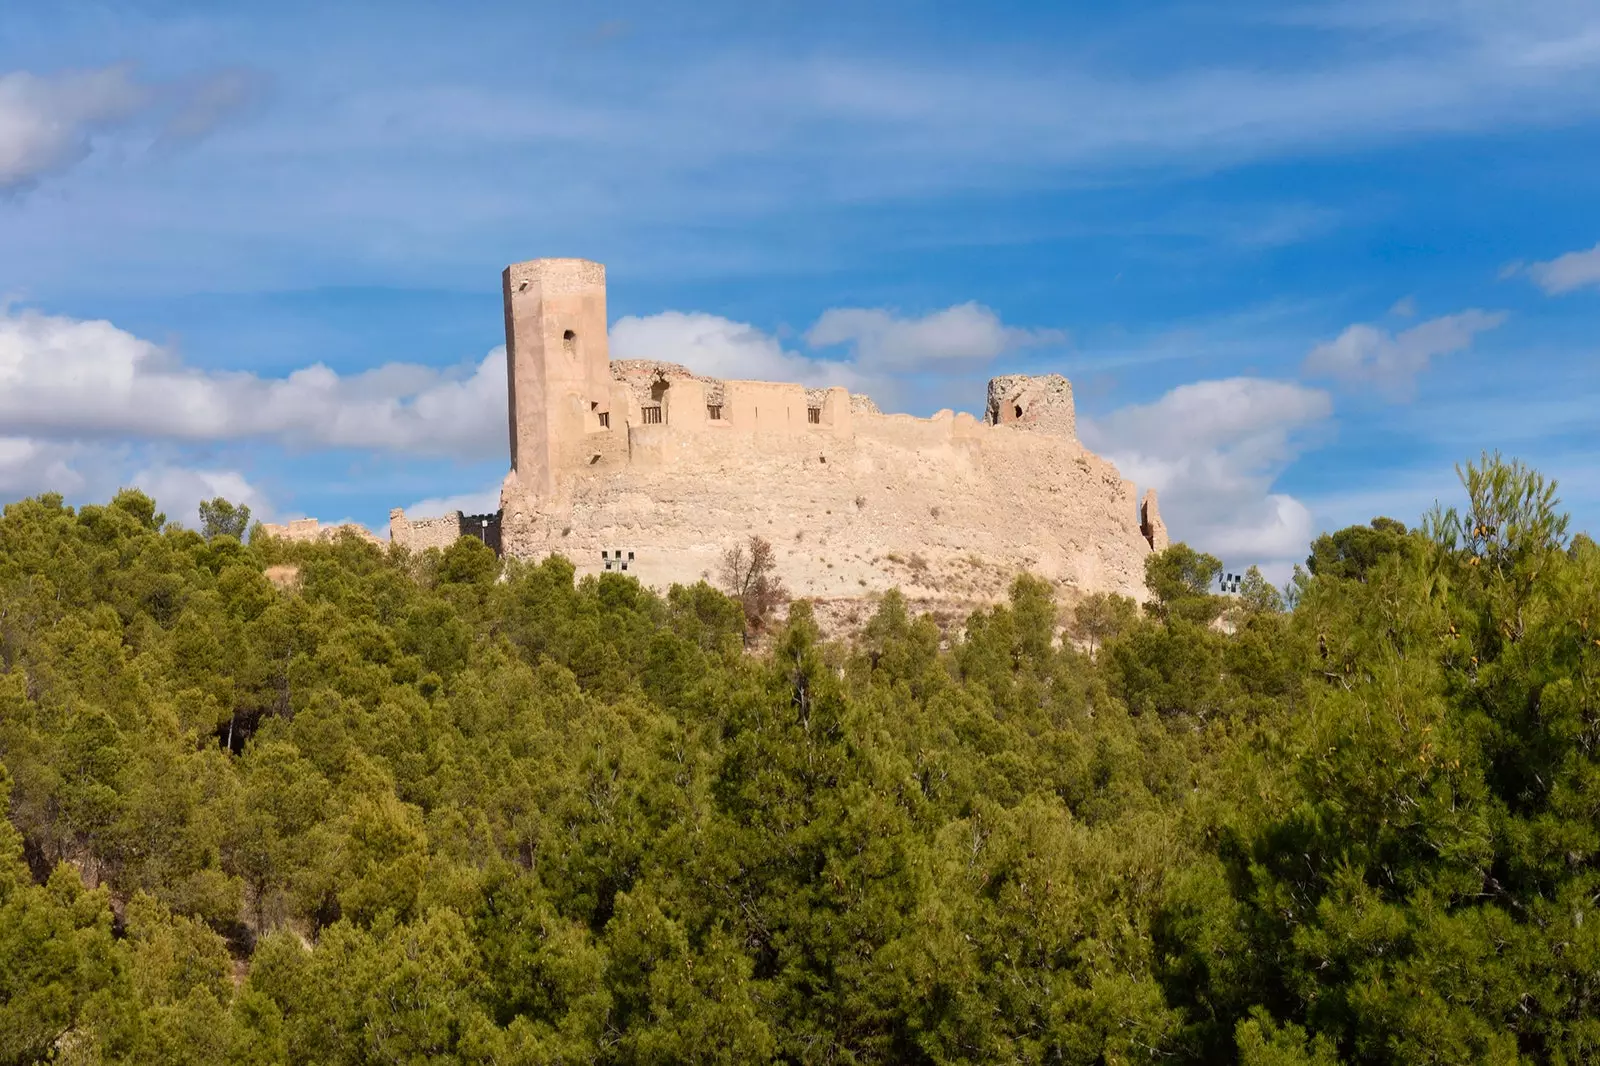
x: 650, y: 468
x: 310, y: 531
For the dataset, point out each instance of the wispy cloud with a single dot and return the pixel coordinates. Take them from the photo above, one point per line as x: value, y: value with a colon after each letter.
x: 881, y: 339
x: 1366, y: 355
x: 1566, y: 273
x: 48, y: 123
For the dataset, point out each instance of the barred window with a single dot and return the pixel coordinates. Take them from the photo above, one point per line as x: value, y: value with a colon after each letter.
x: 814, y: 415
x: 714, y: 412
x: 652, y: 416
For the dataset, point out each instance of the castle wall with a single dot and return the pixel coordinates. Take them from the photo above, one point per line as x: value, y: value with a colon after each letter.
x: 947, y: 505
x: 646, y: 465
x: 310, y: 531
x: 420, y: 534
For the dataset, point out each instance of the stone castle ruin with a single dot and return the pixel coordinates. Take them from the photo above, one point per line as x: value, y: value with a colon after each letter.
x: 651, y: 469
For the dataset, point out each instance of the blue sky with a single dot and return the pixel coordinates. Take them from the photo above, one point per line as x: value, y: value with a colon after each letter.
x: 1298, y: 259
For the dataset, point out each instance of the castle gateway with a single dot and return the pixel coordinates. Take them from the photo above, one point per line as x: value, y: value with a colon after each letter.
x: 649, y: 468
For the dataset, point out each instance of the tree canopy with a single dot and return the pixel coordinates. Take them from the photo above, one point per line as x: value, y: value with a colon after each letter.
x: 385, y: 807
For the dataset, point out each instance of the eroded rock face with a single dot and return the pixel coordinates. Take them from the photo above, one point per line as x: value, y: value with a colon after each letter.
x: 1151, y: 527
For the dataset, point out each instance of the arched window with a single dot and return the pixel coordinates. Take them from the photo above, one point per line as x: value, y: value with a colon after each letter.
x: 569, y: 343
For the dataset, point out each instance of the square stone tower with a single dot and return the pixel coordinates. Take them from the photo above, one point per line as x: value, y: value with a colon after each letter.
x: 558, y: 364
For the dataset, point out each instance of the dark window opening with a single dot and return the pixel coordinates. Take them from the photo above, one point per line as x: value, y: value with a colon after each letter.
x: 714, y: 412
x: 624, y: 566
x: 814, y: 415
x: 1018, y: 410
x: 630, y: 556
x: 603, y: 554
x: 652, y: 416
x: 605, y: 419
x: 569, y: 343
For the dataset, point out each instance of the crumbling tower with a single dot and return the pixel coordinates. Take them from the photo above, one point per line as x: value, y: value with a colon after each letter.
x: 558, y: 365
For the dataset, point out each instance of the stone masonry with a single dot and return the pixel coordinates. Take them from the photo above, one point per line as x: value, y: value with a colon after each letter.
x: 649, y: 468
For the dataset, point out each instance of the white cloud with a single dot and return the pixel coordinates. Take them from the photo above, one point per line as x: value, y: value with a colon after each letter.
x: 1564, y: 273
x: 880, y: 346
x: 68, y: 379
x: 178, y: 491
x: 719, y: 347
x: 28, y: 467
x: 1213, y: 451
x: 483, y: 501
x: 49, y: 123
x: 65, y: 379
x: 46, y: 123
x: 966, y: 333
x: 1369, y: 355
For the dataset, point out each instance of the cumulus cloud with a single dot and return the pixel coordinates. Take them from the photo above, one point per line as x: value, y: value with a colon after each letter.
x: 178, y: 491
x: 965, y: 333
x: 483, y: 501
x: 879, y: 346
x: 29, y: 467
x: 1369, y: 355
x: 1565, y: 273
x: 47, y: 124
x: 68, y: 379
x: 1213, y: 451
x: 720, y: 347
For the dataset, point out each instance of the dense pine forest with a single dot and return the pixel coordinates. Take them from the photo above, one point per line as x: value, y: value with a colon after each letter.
x: 324, y: 804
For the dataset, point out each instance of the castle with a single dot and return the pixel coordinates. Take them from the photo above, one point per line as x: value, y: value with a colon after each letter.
x: 648, y: 468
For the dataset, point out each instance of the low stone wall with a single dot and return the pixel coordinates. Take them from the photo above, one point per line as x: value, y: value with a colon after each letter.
x: 420, y: 534
x: 310, y: 531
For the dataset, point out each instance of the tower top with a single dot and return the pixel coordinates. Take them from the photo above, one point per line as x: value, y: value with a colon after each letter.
x: 554, y: 276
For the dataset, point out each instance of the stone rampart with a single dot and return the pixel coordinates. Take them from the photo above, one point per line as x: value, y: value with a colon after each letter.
x: 651, y: 465
x: 310, y: 531
x: 648, y: 468
x: 420, y: 534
